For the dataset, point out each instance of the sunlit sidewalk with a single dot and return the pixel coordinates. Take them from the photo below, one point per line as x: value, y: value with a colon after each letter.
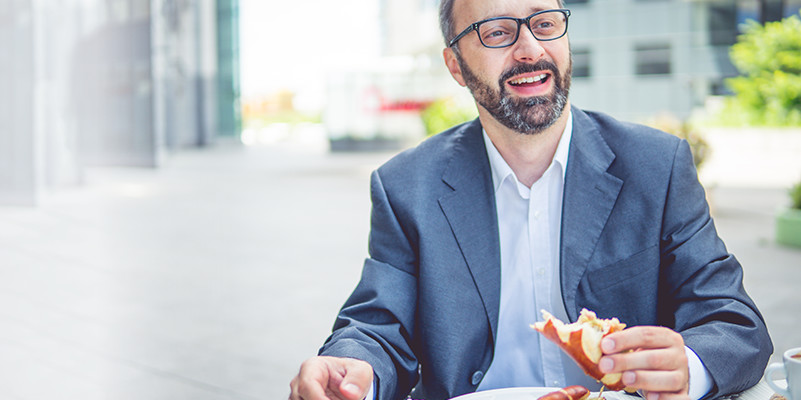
x: 216, y: 275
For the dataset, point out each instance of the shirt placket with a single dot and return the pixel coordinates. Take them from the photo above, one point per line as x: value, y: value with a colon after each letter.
x: 542, y: 270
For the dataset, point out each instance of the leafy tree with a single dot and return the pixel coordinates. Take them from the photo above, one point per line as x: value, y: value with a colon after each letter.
x: 769, y: 90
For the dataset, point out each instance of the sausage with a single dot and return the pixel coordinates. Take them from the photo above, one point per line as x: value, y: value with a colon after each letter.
x: 574, y: 392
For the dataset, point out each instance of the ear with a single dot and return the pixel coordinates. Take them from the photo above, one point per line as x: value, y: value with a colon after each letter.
x: 453, y: 65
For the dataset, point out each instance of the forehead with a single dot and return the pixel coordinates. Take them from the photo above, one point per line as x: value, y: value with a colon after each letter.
x: 468, y: 11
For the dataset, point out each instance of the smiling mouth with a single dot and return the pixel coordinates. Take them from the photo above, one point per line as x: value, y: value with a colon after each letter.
x: 530, y: 80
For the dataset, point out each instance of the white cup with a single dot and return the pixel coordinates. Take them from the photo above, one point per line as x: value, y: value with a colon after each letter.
x: 792, y: 370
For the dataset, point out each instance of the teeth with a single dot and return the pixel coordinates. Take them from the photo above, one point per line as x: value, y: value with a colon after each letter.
x: 530, y: 79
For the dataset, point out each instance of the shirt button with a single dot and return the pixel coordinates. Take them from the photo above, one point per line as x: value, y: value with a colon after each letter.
x: 477, y: 377
x: 540, y: 271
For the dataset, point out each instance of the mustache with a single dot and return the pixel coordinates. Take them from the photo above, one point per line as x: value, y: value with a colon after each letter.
x: 522, y: 68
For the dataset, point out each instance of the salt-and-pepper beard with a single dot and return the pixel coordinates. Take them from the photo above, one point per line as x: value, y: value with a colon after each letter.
x: 529, y: 115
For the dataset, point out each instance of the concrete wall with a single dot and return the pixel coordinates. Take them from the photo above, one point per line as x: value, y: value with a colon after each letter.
x: 101, y: 82
x: 20, y: 143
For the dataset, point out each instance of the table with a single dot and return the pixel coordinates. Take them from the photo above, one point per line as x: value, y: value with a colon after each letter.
x: 760, y: 391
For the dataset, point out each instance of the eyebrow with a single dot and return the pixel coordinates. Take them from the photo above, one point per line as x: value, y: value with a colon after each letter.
x: 531, y: 10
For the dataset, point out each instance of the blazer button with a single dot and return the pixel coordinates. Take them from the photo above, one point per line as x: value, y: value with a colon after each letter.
x: 477, y: 377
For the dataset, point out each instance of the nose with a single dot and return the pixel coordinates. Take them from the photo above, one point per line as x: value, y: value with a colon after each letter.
x: 527, y: 48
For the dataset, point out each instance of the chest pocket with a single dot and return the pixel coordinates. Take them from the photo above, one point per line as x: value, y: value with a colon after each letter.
x: 640, y: 268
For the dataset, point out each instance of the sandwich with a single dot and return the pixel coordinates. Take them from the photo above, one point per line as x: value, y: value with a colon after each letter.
x: 581, y: 340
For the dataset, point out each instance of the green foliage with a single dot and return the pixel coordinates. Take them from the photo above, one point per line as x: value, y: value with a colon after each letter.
x: 445, y: 113
x: 795, y: 196
x: 769, y: 90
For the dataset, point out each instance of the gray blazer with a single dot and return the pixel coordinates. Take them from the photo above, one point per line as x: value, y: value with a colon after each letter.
x: 638, y: 243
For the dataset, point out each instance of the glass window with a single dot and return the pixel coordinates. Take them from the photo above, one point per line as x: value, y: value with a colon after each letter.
x: 771, y: 10
x: 652, y: 59
x: 722, y: 24
x: 582, y: 63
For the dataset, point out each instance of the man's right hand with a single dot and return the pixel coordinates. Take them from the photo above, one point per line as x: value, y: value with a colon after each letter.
x: 332, y: 378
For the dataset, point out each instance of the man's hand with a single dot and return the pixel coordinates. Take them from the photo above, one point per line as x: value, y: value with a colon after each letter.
x: 657, y: 364
x: 332, y: 378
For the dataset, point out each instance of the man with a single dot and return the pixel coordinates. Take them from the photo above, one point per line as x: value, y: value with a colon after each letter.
x: 536, y: 205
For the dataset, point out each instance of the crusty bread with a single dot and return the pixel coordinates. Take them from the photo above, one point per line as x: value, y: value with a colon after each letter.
x: 581, y: 340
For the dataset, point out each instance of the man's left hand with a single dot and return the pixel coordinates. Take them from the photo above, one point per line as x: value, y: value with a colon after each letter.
x: 651, y: 358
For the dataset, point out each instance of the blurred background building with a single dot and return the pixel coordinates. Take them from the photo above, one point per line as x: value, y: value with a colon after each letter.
x: 633, y: 59
x: 110, y: 82
x: 637, y: 58
x: 126, y: 82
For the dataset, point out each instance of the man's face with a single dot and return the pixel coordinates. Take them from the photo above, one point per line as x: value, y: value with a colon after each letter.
x: 524, y: 86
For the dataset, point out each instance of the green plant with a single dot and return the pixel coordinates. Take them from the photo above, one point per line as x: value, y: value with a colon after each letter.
x: 769, y: 90
x: 444, y: 113
x: 795, y: 196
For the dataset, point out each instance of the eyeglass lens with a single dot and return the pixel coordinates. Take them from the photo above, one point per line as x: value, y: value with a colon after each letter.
x: 502, y: 32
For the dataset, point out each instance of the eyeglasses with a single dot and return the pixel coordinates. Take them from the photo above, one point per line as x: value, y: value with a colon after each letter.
x: 503, y: 31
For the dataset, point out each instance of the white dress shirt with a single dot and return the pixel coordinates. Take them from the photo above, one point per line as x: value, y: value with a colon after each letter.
x: 529, y: 225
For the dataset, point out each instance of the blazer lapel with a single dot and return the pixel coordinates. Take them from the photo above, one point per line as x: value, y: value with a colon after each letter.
x: 589, y: 196
x: 470, y: 211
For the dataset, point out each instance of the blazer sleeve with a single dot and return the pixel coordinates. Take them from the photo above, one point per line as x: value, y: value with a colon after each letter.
x: 702, y: 282
x: 376, y: 323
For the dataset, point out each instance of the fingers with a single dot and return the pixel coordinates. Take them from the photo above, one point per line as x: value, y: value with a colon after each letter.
x: 651, y: 358
x: 331, y: 378
x: 641, y: 337
x: 311, y: 381
x: 656, y: 381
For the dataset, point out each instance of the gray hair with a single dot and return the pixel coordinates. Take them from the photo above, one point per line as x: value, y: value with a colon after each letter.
x: 446, y: 18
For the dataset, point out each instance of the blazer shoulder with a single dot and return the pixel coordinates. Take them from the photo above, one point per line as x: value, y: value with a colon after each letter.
x: 635, y: 143
x: 616, y: 131
x: 431, y: 156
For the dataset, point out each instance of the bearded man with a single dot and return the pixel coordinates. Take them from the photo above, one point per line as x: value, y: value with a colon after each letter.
x: 536, y: 205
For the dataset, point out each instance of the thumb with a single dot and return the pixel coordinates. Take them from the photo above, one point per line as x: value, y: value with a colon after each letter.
x: 352, y: 391
x: 358, y: 380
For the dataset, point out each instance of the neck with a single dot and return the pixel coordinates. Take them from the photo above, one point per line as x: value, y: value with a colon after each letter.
x: 529, y: 155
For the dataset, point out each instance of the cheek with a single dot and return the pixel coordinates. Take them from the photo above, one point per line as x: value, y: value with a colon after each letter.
x: 486, y: 69
x: 492, y: 70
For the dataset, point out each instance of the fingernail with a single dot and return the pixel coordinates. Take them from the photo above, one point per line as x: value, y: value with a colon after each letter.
x: 652, y: 396
x: 606, y: 365
x: 608, y: 345
x: 628, y: 378
x: 352, y: 388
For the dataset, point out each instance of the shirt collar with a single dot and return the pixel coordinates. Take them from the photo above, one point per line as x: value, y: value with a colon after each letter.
x: 501, y: 170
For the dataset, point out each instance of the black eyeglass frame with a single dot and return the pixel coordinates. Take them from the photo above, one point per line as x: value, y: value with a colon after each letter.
x: 520, y: 21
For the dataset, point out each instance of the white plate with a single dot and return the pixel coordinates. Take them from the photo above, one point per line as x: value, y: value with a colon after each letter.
x: 518, y: 393
x: 530, y: 393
